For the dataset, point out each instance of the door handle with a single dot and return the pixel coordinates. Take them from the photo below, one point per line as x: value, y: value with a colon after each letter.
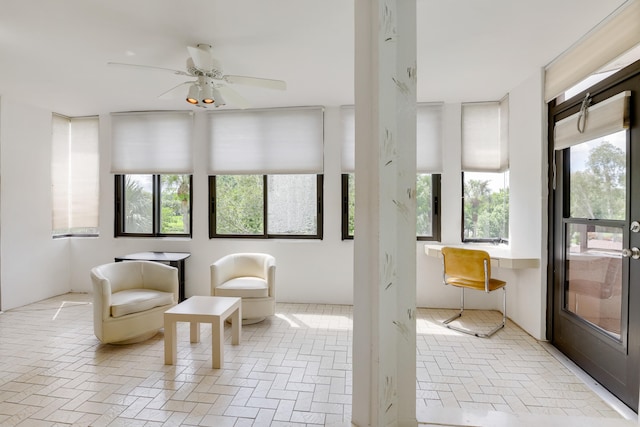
x: 633, y: 253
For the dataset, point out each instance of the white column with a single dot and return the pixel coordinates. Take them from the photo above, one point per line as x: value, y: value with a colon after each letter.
x: 384, y: 336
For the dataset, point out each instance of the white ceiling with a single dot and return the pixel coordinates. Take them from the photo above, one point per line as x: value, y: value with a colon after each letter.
x: 54, y: 53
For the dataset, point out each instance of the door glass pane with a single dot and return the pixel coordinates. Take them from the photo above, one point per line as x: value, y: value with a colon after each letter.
x: 598, y: 178
x: 593, y: 287
x: 138, y: 204
x: 292, y: 205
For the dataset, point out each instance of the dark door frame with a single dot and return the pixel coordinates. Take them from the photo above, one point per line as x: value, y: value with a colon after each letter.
x: 560, y: 111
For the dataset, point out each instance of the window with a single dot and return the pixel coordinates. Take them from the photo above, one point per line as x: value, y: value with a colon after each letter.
x: 485, y: 176
x: 152, y: 159
x: 485, y: 200
x: 427, y: 206
x: 266, y: 206
x: 153, y: 205
x: 265, y: 173
x: 428, y: 168
x: 74, y: 176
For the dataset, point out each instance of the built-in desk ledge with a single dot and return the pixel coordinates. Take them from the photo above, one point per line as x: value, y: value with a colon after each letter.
x: 501, y: 256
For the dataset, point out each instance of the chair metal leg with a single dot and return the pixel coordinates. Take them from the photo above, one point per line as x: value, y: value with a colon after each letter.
x: 474, y: 333
x: 459, y: 314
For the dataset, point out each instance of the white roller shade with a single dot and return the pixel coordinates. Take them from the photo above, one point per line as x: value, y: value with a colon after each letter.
x: 611, y: 39
x: 348, y: 121
x: 603, y: 118
x: 269, y: 141
x: 156, y: 142
x: 74, y: 172
x: 485, y: 136
x: 428, y: 138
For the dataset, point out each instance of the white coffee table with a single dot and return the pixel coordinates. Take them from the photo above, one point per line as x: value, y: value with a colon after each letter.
x: 203, y: 309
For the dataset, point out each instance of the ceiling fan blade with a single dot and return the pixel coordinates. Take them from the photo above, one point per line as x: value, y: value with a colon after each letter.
x: 173, y: 93
x: 176, y: 72
x: 233, y: 97
x: 256, y: 81
x: 202, y: 58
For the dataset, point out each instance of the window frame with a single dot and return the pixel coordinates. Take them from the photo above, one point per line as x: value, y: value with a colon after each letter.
x: 265, y: 193
x: 436, y: 180
x: 344, y: 196
x: 119, y: 183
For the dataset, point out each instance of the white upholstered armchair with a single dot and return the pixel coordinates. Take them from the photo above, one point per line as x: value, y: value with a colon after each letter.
x: 250, y: 276
x: 130, y: 298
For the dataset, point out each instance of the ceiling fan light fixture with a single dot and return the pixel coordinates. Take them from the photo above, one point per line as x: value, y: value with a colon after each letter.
x: 219, y: 100
x: 193, y: 95
x: 207, y: 93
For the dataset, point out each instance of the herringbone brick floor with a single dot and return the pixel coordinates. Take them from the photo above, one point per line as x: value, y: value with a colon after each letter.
x: 292, y: 369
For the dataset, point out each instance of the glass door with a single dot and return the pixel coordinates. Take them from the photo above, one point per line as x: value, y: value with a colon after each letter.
x: 595, y: 261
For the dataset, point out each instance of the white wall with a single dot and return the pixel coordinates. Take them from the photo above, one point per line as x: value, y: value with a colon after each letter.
x: 313, y: 271
x: 528, y: 202
x: 34, y: 266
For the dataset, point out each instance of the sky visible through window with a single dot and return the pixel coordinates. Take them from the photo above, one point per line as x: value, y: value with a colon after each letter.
x: 497, y: 181
x: 580, y: 152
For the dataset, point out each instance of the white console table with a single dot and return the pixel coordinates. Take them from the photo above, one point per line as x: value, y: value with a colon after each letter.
x: 501, y: 257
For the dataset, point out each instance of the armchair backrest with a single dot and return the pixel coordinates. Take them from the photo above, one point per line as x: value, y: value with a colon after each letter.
x: 137, y: 275
x: 252, y: 265
x: 121, y: 275
x: 243, y: 265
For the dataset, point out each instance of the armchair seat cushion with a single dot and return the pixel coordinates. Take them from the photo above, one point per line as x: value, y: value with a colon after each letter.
x: 137, y: 300
x: 244, y: 287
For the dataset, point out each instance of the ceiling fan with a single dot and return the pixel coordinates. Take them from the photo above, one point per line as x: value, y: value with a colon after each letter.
x: 210, y: 84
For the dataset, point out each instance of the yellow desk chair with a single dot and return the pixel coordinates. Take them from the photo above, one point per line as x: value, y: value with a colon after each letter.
x: 471, y: 269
